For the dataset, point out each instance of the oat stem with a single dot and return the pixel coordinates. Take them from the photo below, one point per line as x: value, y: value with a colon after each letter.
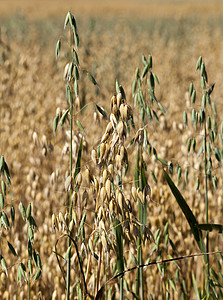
x: 206, y: 207
x: 70, y: 198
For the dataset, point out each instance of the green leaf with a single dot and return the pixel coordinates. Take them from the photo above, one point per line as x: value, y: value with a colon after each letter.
x: 58, y: 254
x: 211, y: 227
x: 92, y: 79
x: 161, y: 108
x: 67, y: 255
x: 195, y: 287
x: 172, y: 283
x: 101, y: 110
x: 80, y: 126
x: 187, y: 213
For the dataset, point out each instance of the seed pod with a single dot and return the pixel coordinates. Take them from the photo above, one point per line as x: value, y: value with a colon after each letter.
x: 2, y: 201
x: 75, y: 57
x: 145, y: 71
x: 199, y: 62
x: 109, y: 128
x: 76, y: 90
x: 120, y: 200
x: 214, y: 126
x: 202, y: 116
x: 193, y: 97
x: 66, y: 71
x: 212, y: 136
x: 108, y: 188
x: 28, y: 211
x: 69, y: 183
x: 209, y: 149
x: 94, y: 156
x: 121, y: 129
x: 170, y: 168
x: 197, y: 184
x: 209, y: 164
x: 208, y: 123
x: 215, y: 182
x: 5, y: 220
x: 203, y: 101
x: 193, y: 116
x: 217, y: 154
x: 191, y: 89
x: 78, y: 179
x: 193, y: 144
x: 30, y: 234
x: 3, y: 186
x: 185, y: 118
x: 203, y: 84
x: 186, y: 175
x: 113, y: 120
x: 134, y: 87
x: 188, y: 145
x: 202, y: 69
x: 22, y: 210
x: 102, y: 150
x: 150, y: 61
x: 178, y: 174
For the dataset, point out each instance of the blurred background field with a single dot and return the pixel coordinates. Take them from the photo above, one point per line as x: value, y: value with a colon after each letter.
x: 113, y: 37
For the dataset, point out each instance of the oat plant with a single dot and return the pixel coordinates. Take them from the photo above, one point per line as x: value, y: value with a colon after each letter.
x: 204, y: 121
x: 33, y: 271
x: 71, y: 76
x: 143, y: 90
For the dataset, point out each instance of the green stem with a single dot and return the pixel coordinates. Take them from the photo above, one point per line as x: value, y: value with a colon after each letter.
x: 206, y: 208
x: 70, y: 198
x: 121, y: 288
x: 29, y: 289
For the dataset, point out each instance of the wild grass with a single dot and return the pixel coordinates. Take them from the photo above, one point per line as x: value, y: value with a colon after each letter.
x: 101, y: 195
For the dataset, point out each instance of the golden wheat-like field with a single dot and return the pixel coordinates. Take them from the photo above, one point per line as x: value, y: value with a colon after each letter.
x: 113, y: 37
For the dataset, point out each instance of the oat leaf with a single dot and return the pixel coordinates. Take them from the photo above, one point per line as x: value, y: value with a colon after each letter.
x: 187, y: 213
x: 211, y: 227
x: 80, y: 126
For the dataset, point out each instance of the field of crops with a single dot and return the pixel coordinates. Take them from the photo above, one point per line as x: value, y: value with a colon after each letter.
x: 102, y: 143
